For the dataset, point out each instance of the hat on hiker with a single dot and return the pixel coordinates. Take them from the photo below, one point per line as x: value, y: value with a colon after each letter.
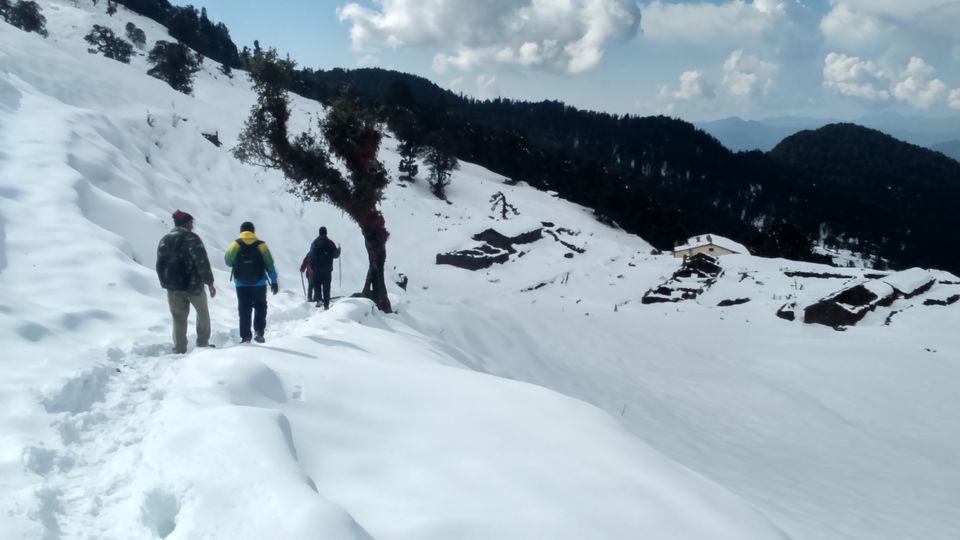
x: 323, y: 231
x: 246, y: 226
x: 181, y: 218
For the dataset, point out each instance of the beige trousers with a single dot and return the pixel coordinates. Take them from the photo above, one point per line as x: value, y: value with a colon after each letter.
x: 180, y: 302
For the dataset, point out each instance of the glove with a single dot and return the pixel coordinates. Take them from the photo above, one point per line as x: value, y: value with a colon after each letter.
x: 274, y: 287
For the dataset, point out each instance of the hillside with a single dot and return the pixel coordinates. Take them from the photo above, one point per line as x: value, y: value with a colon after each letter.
x: 542, y: 396
x: 891, y: 194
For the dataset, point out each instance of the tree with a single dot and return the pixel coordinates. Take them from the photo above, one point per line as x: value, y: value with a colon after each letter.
x: 27, y: 16
x: 498, y: 203
x: 106, y: 43
x: 111, y: 7
x: 352, y: 135
x: 409, y: 151
x: 136, y: 35
x: 175, y: 64
x: 441, y: 161
x: 4, y: 8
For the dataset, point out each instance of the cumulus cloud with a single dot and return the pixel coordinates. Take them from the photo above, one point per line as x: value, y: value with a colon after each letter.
x: 733, y: 21
x: 746, y: 75
x: 854, y: 77
x: 954, y: 99
x: 568, y: 35
x: 848, y: 28
x: 917, y: 85
x: 692, y: 86
x: 900, y: 9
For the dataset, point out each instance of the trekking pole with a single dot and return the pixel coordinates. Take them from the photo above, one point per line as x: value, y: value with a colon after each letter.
x: 302, y: 285
x: 339, y: 273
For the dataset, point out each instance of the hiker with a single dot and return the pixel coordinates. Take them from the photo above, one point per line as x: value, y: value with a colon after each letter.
x: 311, y: 290
x: 183, y: 269
x: 322, y: 253
x: 252, y: 266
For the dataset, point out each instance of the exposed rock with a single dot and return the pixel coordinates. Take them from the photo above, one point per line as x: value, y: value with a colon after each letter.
x: 817, y: 275
x: 496, y: 249
x: 942, y: 302
x: 850, y: 305
x: 733, y: 302
x: 788, y: 311
x: 479, y: 258
x: 696, y: 275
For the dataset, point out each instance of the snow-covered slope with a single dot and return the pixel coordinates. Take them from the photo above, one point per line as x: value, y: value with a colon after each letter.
x: 538, y: 398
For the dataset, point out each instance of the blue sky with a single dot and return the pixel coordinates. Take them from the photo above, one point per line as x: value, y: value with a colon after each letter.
x: 693, y: 59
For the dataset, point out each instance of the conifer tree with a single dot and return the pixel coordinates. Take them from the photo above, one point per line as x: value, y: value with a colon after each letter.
x: 136, y: 35
x: 27, y: 16
x: 175, y: 64
x: 349, y: 132
x: 106, y: 43
x: 440, y: 159
x: 409, y: 151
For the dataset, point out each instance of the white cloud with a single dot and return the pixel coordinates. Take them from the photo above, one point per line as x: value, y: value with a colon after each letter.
x: 954, y: 99
x: 900, y: 9
x: 847, y: 28
x: 853, y: 77
x: 693, y: 86
x: 734, y: 21
x: 746, y: 75
x: 565, y: 35
x: 917, y: 85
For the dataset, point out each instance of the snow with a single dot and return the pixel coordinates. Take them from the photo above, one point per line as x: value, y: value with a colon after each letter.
x: 716, y: 240
x: 476, y: 411
x: 909, y: 281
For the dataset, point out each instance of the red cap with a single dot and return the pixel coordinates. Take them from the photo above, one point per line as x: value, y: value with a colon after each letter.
x: 181, y: 218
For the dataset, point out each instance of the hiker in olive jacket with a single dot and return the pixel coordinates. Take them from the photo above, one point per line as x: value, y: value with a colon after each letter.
x: 252, y: 266
x: 183, y: 269
x: 323, y: 251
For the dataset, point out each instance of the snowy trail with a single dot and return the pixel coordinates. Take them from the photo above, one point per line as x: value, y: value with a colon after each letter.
x: 102, y: 416
x: 95, y: 478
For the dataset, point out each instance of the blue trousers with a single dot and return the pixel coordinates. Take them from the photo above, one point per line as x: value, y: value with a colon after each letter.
x: 252, y: 301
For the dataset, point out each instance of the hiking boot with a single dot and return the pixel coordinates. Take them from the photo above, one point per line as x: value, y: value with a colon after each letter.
x: 245, y: 340
x: 259, y: 338
x: 319, y: 304
x: 207, y: 346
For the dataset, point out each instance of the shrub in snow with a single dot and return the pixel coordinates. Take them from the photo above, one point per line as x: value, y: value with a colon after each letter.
x: 174, y: 64
x: 104, y: 41
x: 111, y: 7
x: 25, y: 15
x: 352, y: 135
x: 136, y: 35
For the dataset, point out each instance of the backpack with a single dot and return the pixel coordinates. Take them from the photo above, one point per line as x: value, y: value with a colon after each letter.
x: 249, y: 268
x: 173, y: 266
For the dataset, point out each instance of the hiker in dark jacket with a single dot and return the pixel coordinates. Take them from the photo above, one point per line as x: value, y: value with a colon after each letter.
x: 322, y: 253
x: 183, y: 269
x: 252, y: 268
x: 311, y: 290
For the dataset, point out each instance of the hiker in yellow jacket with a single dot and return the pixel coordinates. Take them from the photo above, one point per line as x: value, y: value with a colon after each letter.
x: 252, y: 269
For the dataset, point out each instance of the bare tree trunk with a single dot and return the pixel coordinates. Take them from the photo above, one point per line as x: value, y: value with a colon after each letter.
x: 375, y: 235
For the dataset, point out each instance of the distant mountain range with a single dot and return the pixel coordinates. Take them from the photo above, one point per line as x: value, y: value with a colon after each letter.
x: 949, y: 149
x: 740, y: 135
